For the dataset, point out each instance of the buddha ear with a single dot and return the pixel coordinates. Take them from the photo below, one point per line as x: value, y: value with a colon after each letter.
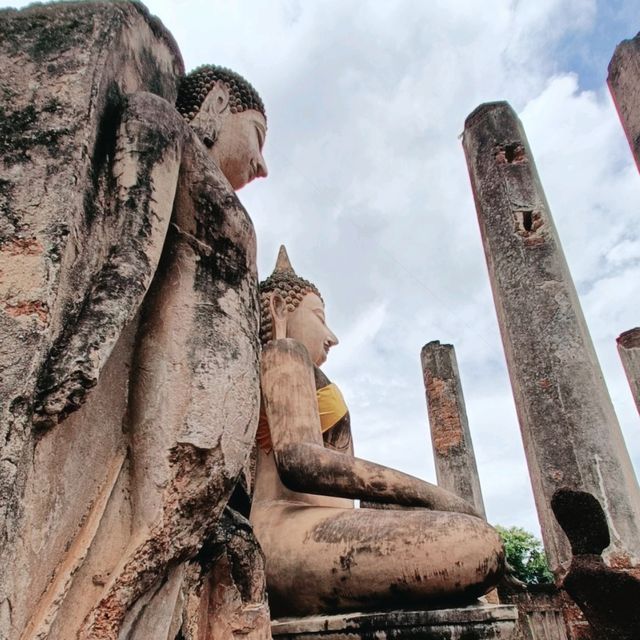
x: 218, y: 98
x: 208, y: 120
x: 278, y: 309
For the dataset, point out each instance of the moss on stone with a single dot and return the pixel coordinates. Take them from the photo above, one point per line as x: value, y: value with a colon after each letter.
x: 41, y: 34
x: 20, y: 132
x: 8, y: 219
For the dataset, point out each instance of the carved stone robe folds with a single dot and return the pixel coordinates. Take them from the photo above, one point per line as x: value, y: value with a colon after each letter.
x: 128, y: 311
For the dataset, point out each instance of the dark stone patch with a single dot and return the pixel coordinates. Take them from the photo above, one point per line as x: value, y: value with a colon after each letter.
x: 59, y: 232
x: 20, y: 132
x: 43, y: 34
x: 226, y: 265
x: 582, y: 519
x: 104, y: 151
x: 161, y: 32
x: 209, y: 553
x: 9, y: 220
x: 52, y: 105
x: 155, y: 78
x: 57, y: 37
x: 608, y: 597
x: 347, y: 560
x: 153, y: 143
x: 8, y: 94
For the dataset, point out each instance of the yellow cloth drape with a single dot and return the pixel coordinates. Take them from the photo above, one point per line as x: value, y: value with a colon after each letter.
x: 331, y: 407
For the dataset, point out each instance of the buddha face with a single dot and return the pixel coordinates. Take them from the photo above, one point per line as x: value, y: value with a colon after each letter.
x: 234, y: 140
x: 307, y: 324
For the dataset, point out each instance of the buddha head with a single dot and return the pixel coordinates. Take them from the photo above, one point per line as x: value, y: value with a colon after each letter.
x: 292, y: 307
x: 228, y: 116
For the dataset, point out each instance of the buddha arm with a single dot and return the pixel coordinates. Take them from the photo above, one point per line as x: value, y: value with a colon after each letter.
x: 118, y: 252
x: 310, y: 468
x: 305, y: 465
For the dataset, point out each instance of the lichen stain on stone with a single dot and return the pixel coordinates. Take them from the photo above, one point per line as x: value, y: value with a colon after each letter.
x: 150, y: 71
x: 9, y: 221
x: 41, y: 36
x: 347, y: 560
x: 103, y: 156
x: 446, y: 428
x: 21, y: 131
x: 227, y: 264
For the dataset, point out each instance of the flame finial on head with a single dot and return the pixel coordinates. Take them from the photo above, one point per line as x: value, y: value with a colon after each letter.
x: 283, y: 264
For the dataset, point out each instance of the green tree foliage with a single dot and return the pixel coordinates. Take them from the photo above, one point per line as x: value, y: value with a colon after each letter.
x: 526, y: 555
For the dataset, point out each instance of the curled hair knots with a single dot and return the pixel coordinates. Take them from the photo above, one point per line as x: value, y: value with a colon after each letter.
x: 195, y: 86
x: 291, y: 288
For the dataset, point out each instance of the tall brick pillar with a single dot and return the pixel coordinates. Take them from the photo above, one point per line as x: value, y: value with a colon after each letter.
x: 629, y: 350
x: 456, y: 468
x: 624, y: 84
x: 571, y: 435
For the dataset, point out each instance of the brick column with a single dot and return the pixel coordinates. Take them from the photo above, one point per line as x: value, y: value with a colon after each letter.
x: 456, y: 468
x: 629, y: 350
x: 571, y: 435
x: 624, y: 84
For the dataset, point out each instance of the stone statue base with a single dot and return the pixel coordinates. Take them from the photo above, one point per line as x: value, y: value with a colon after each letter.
x: 477, y: 622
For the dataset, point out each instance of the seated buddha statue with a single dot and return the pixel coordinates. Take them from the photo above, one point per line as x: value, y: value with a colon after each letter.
x: 323, y: 555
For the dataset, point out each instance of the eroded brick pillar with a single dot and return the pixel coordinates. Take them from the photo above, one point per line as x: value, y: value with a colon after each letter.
x: 571, y: 435
x: 629, y: 350
x: 624, y: 84
x: 456, y: 468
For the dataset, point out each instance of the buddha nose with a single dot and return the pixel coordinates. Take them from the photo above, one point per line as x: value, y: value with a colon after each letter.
x: 261, y: 168
x: 332, y: 339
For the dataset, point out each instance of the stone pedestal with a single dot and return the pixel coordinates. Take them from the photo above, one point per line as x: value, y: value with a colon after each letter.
x: 570, y: 431
x: 467, y: 623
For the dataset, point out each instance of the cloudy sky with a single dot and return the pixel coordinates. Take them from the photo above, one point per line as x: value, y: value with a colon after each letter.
x: 368, y: 188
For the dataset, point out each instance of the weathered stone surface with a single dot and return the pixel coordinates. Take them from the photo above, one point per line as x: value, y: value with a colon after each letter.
x: 456, y: 468
x: 129, y: 380
x: 570, y: 431
x: 624, y: 84
x: 629, y: 350
x: 468, y: 623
